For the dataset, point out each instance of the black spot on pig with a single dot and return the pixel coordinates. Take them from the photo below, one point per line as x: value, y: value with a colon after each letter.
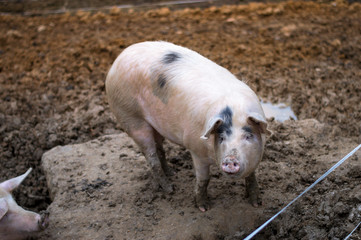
x: 160, y: 85
x: 170, y: 57
x: 247, y: 129
x: 226, y: 114
x: 162, y: 80
x: 249, y: 132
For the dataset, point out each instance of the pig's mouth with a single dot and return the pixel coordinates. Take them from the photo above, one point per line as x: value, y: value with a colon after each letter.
x: 44, y: 220
x: 229, y: 174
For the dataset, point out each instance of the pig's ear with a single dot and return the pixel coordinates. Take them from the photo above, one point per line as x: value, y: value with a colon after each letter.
x: 212, y: 125
x: 3, y: 208
x: 259, y: 120
x: 13, y: 183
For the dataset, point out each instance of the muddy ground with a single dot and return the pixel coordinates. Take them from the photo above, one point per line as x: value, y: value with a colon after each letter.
x: 52, y: 71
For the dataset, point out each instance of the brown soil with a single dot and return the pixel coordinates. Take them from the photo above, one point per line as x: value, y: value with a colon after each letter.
x: 41, y: 7
x: 52, y: 71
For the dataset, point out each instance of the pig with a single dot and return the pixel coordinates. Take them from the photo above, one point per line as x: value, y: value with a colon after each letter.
x: 15, y: 222
x: 159, y: 90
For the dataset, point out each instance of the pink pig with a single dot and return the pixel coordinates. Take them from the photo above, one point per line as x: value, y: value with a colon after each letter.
x: 15, y: 222
x: 160, y: 90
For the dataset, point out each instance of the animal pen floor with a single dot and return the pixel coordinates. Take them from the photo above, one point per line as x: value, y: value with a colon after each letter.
x: 306, y: 54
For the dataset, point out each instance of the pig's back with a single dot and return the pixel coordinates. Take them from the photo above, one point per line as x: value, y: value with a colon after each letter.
x: 173, y: 87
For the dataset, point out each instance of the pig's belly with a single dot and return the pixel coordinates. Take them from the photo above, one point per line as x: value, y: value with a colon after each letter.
x: 161, y: 117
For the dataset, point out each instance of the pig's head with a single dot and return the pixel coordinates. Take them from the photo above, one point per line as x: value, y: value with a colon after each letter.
x: 238, y: 140
x: 15, y: 222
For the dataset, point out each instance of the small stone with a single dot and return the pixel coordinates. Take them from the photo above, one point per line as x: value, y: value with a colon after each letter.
x: 14, y: 33
x: 41, y: 28
x: 336, y: 43
x: 149, y: 212
x: 115, y: 10
x: 163, y: 12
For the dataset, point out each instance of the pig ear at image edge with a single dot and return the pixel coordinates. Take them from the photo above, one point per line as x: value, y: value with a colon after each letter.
x: 3, y: 208
x: 11, y: 184
x: 212, y: 125
x: 259, y: 119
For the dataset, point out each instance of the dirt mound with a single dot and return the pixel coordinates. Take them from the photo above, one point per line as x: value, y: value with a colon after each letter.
x: 109, y: 179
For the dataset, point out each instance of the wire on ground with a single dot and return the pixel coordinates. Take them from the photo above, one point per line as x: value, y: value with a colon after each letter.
x: 352, y: 231
x: 307, y: 189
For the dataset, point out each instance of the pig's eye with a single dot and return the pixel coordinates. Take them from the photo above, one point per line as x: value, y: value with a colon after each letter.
x: 221, y: 139
x: 249, y: 136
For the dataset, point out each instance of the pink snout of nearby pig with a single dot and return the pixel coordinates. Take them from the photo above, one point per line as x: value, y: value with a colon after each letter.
x: 15, y: 222
x: 159, y: 90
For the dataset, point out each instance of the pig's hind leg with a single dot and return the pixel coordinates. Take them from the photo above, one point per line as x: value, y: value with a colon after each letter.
x: 159, y: 139
x: 202, y: 180
x: 145, y: 136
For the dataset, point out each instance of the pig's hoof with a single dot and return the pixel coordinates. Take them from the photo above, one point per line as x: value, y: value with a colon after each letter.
x: 169, y: 172
x: 203, y: 205
x: 203, y: 208
x: 44, y: 220
x: 255, y: 200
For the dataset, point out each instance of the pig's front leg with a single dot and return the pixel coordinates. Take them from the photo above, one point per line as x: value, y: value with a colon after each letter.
x: 252, y: 190
x: 202, y: 201
x: 202, y: 175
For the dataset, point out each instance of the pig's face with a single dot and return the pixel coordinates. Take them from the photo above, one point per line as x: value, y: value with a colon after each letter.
x: 238, y: 142
x: 16, y: 222
x: 240, y: 152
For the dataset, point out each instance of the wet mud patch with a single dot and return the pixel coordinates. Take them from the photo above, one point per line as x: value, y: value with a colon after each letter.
x: 52, y: 71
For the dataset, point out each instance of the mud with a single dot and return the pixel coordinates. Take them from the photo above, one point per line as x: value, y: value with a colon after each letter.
x: 305, y: 54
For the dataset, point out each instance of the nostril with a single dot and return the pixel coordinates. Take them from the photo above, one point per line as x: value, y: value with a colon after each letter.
x: 231, y: 167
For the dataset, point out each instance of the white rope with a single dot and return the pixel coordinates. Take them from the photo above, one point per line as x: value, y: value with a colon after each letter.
x: 352, y: 231
x: 307, y: 189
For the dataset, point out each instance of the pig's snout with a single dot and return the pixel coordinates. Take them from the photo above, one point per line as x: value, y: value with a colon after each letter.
x: 43, y: 221
x: 231, y: 165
